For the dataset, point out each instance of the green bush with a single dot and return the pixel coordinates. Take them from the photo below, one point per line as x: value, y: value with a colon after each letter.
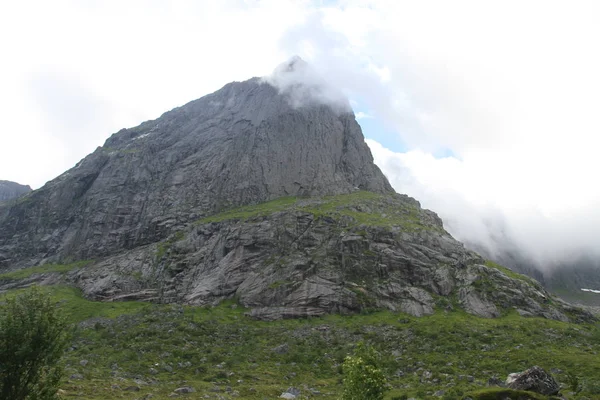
x: 363, y: 380
x: 32, y: 340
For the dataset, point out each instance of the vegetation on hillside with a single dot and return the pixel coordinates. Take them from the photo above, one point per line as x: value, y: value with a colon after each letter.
x: 155, y: 349
x: 359, y: 208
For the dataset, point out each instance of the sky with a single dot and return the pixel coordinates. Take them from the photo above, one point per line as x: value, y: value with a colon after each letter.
x: 485, y: 111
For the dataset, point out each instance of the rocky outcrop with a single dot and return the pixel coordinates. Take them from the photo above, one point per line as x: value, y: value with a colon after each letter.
x: 306, y: 257
x: 535, y: 379
x: 247, y: 143
x: 12, y: 190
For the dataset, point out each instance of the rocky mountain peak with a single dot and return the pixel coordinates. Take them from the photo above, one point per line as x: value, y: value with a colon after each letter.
x: 12, y: 190
x: 249, y: 142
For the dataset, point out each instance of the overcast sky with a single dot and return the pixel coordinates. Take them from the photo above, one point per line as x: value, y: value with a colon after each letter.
x: 485, y: 111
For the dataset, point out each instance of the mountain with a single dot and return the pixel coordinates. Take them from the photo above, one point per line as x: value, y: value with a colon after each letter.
x: 243, y: 144
x: 265, y: 192
x: 12, y: 190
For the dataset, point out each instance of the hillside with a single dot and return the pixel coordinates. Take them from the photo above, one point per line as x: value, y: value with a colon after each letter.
x: 245, y: 242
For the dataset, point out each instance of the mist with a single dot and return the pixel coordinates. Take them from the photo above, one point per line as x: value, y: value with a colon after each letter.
x: 498, y: 125
x: 303, y: 86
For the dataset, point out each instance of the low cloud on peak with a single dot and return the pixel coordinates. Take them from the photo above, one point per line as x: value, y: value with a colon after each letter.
x: 303, y: 86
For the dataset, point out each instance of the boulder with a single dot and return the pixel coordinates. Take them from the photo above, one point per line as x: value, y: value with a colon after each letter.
x: 535, y: 379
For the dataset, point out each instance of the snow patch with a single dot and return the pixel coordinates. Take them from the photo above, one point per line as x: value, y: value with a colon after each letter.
x: 591, y: 290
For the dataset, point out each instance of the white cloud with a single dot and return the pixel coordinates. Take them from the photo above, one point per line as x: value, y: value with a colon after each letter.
x: 471, y: 197
x: 510, y: 88
x: 303, y: 86
x: 362, y: 115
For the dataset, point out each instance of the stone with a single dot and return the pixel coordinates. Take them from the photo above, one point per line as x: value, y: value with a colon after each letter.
x: 534, y: 379
x: 281, y: 349
x: 132, y: 388
x: 184, y: 389
x: 83, y: 363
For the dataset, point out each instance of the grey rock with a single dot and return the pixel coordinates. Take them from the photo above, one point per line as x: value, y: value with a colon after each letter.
x: 281, y: 349
x: 293, y: 390
x: 76, y: 376
x: 534, y: 379
x: 495, y: 381
x: 83, y: 363
x: 184, y: 389
x: 132, y: 389
x: 12, y: 190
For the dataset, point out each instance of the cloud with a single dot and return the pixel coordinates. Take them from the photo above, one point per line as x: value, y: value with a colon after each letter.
x: 363, y: 115
x: 456, y: 190
x: 303, y: 86
x: 501, y: 88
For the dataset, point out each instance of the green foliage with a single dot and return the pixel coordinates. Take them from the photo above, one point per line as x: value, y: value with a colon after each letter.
x: 42, y: 269
x: 32, y: 340
x: 363, y: 380
x: 573, y: 383
x: 221, y: 346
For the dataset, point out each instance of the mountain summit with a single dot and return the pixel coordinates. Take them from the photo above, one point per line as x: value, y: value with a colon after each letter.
x: 265, y: 192
x: 249, y: 142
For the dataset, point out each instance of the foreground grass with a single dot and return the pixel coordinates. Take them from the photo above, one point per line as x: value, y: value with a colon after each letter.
x: 130, y: 349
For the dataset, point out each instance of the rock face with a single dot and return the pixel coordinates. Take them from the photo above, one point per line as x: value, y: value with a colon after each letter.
x: 307, y: 257
x: 535, y: 379
x: 12, y: 190
x: 244, y: 144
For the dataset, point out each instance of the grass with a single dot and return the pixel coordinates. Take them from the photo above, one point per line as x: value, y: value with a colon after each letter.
x: 360, y: 207
x: 253, y: 211
x: 42, y: 269
x: 508, y: 272
x: 220, y: 350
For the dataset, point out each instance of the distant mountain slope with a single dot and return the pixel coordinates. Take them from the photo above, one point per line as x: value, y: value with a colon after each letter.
x: 12, y: 190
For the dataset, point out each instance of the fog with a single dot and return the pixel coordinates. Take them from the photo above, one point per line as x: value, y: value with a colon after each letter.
x: 499, y: 124
x: 303, y: 86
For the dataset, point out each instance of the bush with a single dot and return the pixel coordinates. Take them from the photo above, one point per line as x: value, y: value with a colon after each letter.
x: 363, y: 380
x: 32, y: 340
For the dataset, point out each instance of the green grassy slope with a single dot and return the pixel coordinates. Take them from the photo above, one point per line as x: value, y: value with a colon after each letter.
x: 135, y: 349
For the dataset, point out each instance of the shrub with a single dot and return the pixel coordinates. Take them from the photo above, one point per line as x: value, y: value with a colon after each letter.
x: 363, y: 380
x: 32, y: 340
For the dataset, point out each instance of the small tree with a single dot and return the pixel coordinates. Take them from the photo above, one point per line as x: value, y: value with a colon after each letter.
x: 32, y: 340
x: 363, y: 380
